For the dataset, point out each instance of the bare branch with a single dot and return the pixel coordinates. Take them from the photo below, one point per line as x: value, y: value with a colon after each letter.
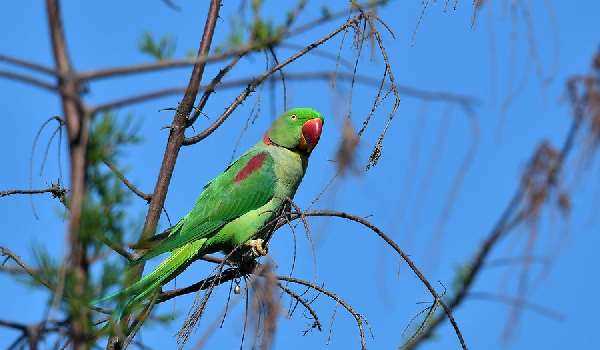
x: 404, y: 90
x: 210, y: 282
x: 358, y: 317
x: 160, y: 65
x: 28, y: 269
x: 318, y: 52
x: 179, y: 63
x: 176, y: 135
x: 116, y: 247
x: 259, y: 80
x: 131, y: 186
x: 28, y: 64
x: 77, y: 130
x: 135, y: 99
x: 520, y: 303
x: 211, y: 88
x: 354, y: 7
x: 27, y: 79
x: 405, y: 257
x: 291, y: 293
x: 32, y: 333
x: 56, y: 190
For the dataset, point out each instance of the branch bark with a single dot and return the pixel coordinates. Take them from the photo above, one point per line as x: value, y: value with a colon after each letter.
x: 77, y: 130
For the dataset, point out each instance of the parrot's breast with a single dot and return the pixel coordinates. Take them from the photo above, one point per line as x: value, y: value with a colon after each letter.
x: 289, y: 169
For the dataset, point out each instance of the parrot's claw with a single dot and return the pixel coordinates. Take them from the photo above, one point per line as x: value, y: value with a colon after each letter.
x: 257, y: 247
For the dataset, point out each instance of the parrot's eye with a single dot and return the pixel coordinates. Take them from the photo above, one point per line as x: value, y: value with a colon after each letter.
x: 293, y: 117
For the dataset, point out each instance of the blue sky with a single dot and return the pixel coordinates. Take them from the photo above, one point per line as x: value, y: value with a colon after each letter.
x: 443, y: 53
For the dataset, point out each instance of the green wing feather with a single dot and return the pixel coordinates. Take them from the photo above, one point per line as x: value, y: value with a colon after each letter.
x: 223, y: 200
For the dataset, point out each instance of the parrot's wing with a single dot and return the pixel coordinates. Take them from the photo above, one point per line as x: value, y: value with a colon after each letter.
x: 245, y: 185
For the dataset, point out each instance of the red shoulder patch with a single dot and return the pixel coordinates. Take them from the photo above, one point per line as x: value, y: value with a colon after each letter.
x: 254, y: 164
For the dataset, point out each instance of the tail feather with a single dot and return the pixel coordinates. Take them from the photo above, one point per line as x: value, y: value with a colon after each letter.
x: 158, y: 245
x: 139, y: 291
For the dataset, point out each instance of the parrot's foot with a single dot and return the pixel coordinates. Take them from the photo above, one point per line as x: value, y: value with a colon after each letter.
x: 257, y: 247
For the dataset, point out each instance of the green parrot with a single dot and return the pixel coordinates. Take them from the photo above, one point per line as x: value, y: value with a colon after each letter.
x: 235, y: 206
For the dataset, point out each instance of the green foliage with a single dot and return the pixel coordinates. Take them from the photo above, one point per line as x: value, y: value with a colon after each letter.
x: 161, y: 49
x: 47, y: 267
x: 105, y: 208
x: 259, y: 32
x: 263, y: 33
x: 104, y: 212
x: 235, y: 39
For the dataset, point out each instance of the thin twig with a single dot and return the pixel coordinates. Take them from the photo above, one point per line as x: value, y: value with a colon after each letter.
x: 520, y: 303
x: 29, y: 270
x: 178, y: 63
x: 291, y: 293
x: 404, y: 90
x: 145, y: 196
x: 28, y: 64
x: 77, y: 122
x: 210, y: 88
x: 358, y: 317
x: 28, y: 79
x: 56, y: 190
x: 404, y: 256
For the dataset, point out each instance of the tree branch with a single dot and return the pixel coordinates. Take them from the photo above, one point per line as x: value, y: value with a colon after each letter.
x: 408, y: 91
x: 212, y: 281
x: 298, y: 298
x: 185, y: 62
x: 27, y: 79
x: 77, y: 130
x: 28, y: 64
x: 519, y: 302
x: 232, y: 273
x: 145, y: 196
x: 211, y: 88
x: 404, y: 256
x: 56, y: 190
x: 29, y: 270
x: 259, y: 80
x: 358, y: 317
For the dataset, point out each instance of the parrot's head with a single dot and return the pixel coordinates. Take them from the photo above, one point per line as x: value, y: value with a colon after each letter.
x: 297, y: 129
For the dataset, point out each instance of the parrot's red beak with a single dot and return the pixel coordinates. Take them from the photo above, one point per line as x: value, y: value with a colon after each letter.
x: 311, y: 132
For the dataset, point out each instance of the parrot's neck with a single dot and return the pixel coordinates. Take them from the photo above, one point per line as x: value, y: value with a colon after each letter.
x: 267, y: 141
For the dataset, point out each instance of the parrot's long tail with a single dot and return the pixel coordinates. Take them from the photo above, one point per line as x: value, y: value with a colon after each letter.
x: 135, y: 294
